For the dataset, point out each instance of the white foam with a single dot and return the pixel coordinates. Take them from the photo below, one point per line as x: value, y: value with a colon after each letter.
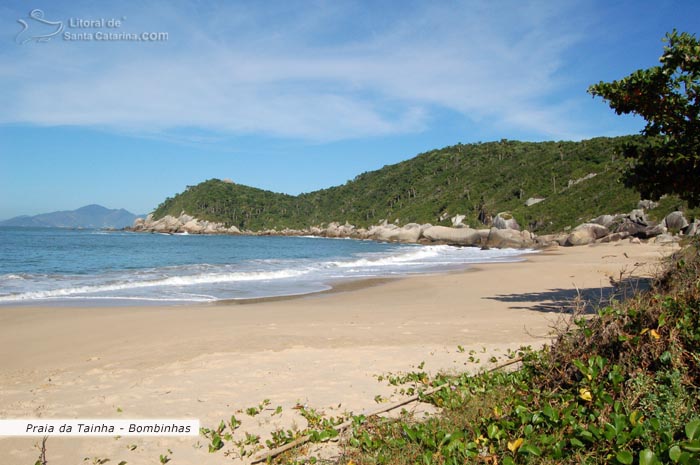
x: 209, y: 278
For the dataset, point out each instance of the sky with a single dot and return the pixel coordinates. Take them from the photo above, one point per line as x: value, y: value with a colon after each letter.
x: 294, y: 96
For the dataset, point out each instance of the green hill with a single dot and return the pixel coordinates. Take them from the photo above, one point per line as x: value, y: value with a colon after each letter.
x: 476, y: 180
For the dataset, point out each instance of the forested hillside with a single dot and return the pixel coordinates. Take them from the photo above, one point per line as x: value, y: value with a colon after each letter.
x: 577, y: 180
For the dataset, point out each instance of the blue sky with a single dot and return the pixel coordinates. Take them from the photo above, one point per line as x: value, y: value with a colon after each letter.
x: 296, y: 96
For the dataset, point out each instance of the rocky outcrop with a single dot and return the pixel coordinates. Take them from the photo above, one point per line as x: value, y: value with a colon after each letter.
x: 183, y: 224
x: 455, y: 236
x: 505, y: 220
x: 606, y: 220
x: 505, y: 232
x: 675, y: 221
x: 509, y: 238
x: 586, y: 233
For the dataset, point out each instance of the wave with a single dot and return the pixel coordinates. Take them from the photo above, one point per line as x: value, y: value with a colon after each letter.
x: 402, y: 259
x: 172, y: 281
x: 255, y: 276
x: 12, y: 276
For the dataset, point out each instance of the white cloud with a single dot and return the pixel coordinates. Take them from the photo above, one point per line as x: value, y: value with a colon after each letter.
x: 314, y: 74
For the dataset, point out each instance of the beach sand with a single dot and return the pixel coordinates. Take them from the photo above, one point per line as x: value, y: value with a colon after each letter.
x: 210, y: 361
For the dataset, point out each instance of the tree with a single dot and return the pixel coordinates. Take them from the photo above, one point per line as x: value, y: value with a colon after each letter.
x: 667, y: 160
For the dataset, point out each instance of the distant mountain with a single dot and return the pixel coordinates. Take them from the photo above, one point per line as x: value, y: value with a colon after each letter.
x: 89, y: 216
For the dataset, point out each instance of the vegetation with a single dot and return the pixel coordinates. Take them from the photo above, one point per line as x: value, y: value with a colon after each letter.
x: 668, y: 98
x: 476, y: 180
x: 619, y: 387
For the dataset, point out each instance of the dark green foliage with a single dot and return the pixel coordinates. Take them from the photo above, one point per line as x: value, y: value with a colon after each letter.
x: 668, y: 98
x: 476, y: 180
x: 234, y: 204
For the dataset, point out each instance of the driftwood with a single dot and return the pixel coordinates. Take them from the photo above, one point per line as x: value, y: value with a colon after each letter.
x: 344, y: 425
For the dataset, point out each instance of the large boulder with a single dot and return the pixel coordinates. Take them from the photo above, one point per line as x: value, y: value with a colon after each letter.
x: 666, y: 239
x: 675, y: 221
x: 410, y: 233
x: 509, y: 238
x: 605, y: 220
x: 586, y: 233
x: 693, y: 229
x: 456, y: 236
x: 614, y: 237
x: 193, y: 227
x: 214, y: 228
x: 388, y: 232
x: 167, y: 224
x: 548, y: 240
x: 505, y: 220
x: 638, y: 216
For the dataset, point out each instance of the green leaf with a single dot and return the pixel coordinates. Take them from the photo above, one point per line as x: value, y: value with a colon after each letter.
x: 647, y: 457
x: 691, y: 446
x: 530, y: 449
x: 575, y: 442
x: 625, y: 457
x: 674, y: 453
x: 692, y: 430
x: 492, y: 430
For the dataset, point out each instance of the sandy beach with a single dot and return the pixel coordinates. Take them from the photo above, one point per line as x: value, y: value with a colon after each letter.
x: 209, y: 361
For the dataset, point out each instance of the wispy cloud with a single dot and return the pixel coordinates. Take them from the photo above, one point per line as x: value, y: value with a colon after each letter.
x: 312, y: 71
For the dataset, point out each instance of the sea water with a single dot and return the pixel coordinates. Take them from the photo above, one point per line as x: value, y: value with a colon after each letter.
x: 63, y: 266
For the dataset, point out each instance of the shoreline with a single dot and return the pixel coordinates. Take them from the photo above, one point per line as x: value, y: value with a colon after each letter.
x: 319, y: 279
x: 208, y: 361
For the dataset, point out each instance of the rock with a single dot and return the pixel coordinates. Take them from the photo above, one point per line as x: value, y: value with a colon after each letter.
x: 573, y: 182
x: 652, y: 231
x: 213, y: 228
x: 167, y: 224
x: 675, y: 221
x: 533, y: 201
x: 586, y: 233
x: 508, y: 238
x: 386, y: 233
x: 456, y: 236
x: 457, y: 221
x: 638, y: 216
x: 635, y: 240
x: 605, y: 220
x: 693, y: 229
x: 410, y: 233
x: 505, y: 220
x: 193, y: 227
x: 614, y: 237
x: 666, y: 239
x: 647, y: 204
x: 631, y: 227
x: 551, y: 239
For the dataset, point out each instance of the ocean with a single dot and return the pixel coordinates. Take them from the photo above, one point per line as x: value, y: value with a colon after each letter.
x: 91, y: 267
